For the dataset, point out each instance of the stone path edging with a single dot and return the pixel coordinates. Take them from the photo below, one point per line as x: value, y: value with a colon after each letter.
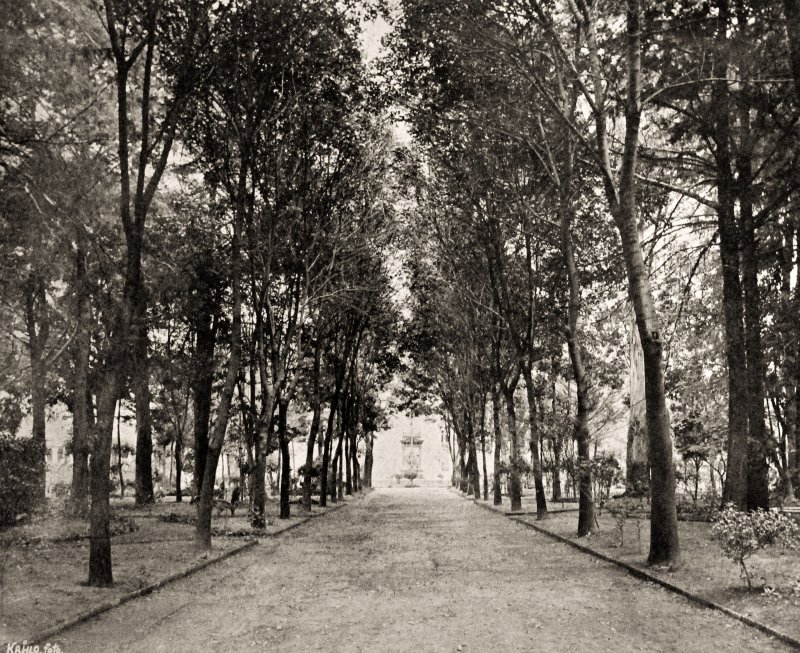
x: 42, y: 637
x: 645, y: 576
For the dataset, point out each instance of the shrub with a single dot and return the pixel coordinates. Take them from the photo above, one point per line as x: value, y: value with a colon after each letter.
x: 741, y: 534
x: 61, y: 489
x: 705, y: 508
x: 21, y: 469
x: 410, y: 474
x: 621, y: 509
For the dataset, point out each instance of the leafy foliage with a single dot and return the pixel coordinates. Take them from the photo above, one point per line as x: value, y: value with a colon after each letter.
x: 21, y: 462
x: 741, y: 534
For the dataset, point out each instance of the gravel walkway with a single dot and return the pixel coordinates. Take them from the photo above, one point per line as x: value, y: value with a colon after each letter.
x: 412, y: 570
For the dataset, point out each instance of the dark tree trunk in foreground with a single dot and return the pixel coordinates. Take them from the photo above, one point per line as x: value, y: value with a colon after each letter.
x: 100, y: 570
x: 637, y: 451
x: 497, y: 494
x: 735, y: 490
x: 514, y: 486
x: 758, y: 447
x: 326, y: 450
x: 475, y: 477
x: 348, y: 470
x: 79, y: 492
x: 178, y: 470
x: 369, y: 439
x: 664, y: 543
x: 340, y: 475
x: 286, y: 466
x: 353, y: 449
x: 463, y: 458
x: 586, y: 519
x: 265, y: 434
x: 541, y: 499
x: 203, y: 374
x: 135, y: 198
x: 217, y: 439
x: 144, y: 423
x: 314, y: 430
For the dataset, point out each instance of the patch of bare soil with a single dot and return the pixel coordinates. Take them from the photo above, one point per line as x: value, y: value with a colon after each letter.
x: 704, y: 571
x: 413, y: 570
x: 44, y: 562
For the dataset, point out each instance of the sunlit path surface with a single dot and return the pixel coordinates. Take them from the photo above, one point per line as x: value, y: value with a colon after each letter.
x: 412, y: 570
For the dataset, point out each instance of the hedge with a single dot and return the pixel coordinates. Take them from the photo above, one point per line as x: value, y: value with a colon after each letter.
x: 21, y: 471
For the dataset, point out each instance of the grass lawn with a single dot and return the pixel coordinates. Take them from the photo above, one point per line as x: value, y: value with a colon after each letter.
x: 774, y: 600
x: 44, y: 562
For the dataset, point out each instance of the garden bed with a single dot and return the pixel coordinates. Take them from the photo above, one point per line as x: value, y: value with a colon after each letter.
x: 704, y: 570
x: 44, y: 562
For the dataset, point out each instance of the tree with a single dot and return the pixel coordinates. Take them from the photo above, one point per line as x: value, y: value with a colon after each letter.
x: 148, y: 44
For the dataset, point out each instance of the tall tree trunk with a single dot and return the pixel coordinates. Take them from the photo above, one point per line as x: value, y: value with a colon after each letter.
x: 353, y: 447
x: 286, y: 467
x: 735, y: 490
x: 463, y: 461
x: 541, y: 499
x: 203, y: 379
x: 133, y: 210
x: 258, y: 488
x: 80, y: 386
x: 339, y: 477
x: 369, y: 439
x: 326, y: 451
x: 586, y: 519
x: 316, y: 401
x: 141, y: 389
x: 664, y: 541
x: 637, y: 465
x: 217, y: 439
x: 475, y: 477
x: 111, y: 384
x: 348, y: 482
x: 514, y: 485
x: 178, y: 470
x: 757, y: 459
x: 265, y: 430
x: 497, y: 494
x: 100, y: 567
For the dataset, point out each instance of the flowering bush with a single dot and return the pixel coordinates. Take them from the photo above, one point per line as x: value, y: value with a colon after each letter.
x: 741, y: 534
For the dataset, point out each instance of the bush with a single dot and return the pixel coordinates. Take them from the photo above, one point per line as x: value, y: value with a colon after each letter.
x: 741, y: 534
x: 21, y: 469
x: 410, y: 475
x: 61, y: 490
x: 706, y: 508
x: 623, y: 508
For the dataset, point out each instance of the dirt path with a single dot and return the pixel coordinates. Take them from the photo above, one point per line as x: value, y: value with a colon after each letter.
x: 412, y: 570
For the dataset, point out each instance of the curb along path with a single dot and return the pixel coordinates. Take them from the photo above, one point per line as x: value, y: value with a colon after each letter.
x: 48, y: 634
x: 640, y: 573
